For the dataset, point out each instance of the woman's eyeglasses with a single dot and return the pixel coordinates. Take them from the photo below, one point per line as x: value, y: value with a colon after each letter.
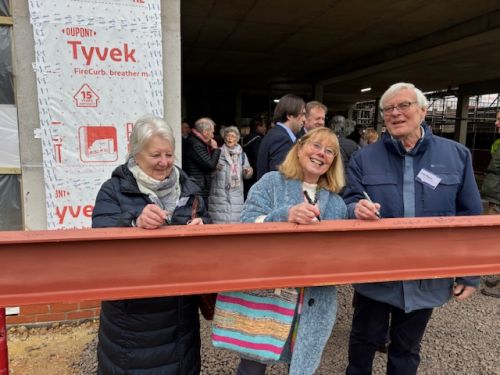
x: 329, y: 151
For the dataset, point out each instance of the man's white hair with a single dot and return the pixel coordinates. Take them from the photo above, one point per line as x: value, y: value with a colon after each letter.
x: 397, y: 87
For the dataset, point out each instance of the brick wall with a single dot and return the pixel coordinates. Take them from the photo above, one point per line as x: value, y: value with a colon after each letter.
x: 55, y: 312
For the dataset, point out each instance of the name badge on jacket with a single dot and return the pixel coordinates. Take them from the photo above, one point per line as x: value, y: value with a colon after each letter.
x: 428, y: 178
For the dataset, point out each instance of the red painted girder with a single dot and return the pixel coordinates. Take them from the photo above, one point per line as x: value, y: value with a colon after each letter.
x: 115, y: 263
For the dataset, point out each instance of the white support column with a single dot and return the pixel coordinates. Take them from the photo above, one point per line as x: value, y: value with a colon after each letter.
x: 171, y: 41
x: 30, y: 148
x: 461, y: 121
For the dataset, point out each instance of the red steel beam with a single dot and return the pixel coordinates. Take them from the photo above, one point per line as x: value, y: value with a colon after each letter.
x: 116, y: 263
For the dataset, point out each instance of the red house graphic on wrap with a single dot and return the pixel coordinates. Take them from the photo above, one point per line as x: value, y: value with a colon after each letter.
x: 98, y: 144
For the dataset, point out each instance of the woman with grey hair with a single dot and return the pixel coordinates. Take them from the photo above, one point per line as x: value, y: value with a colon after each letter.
x: 149, y: 335
x: 225, y: 201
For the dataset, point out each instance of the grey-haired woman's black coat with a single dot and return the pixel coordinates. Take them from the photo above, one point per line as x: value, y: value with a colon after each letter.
x: 148, y: 336
x: 199, y: 161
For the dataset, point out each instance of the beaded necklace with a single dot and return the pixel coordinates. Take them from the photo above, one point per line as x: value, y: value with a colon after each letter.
x: 310, y: 201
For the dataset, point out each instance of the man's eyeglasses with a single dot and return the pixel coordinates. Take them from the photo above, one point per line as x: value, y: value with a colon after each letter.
x: 401, y: 107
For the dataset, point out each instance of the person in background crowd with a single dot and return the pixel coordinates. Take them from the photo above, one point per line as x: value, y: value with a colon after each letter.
x: 408, y: 173
x: 225, y: 201
x: 244, y: 131
x: 219, y: 130
x: 491, y: 193
x: 251, y: 145
x: 149, y: 335
x: 356, y: 134
x: 315, y: 117
x: 347, y: 146
x: 185, y: 129
x: 201, y: 155
x: 305, y: 189
x: 289, y: 117
x: 369, y: 136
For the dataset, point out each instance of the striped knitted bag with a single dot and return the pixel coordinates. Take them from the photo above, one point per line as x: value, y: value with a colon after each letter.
x: 256, y: 324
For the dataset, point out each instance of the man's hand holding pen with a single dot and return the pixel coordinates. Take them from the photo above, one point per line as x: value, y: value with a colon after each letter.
x: 366, y: 209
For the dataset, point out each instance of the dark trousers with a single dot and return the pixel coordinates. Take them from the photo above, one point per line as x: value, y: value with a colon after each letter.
x: 249, y: 367
x: 370, y: 322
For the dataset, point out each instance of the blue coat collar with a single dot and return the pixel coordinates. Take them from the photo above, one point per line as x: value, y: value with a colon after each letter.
x: 396, y: 147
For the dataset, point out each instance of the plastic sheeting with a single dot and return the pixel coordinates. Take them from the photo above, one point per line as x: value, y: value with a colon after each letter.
x: 9, y: 152
x: 10, y: 203
x: 6, y: 82
x: 88, y: 104
x: 4, y: 8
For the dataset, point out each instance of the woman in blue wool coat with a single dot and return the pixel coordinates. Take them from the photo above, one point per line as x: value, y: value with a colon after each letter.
x: 304, y: 191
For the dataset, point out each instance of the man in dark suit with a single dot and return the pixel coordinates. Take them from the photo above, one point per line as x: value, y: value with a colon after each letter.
x: 251, y: 144
x: 315, y: 117
x: 289, y: 118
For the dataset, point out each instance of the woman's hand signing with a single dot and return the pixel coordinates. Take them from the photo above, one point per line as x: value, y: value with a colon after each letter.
x: 303, y: 213
x: 151, y: 217
x: 196, y: 221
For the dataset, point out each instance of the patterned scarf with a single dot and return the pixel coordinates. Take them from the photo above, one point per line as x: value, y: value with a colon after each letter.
x: 233, y: 156
x: 164, y: 193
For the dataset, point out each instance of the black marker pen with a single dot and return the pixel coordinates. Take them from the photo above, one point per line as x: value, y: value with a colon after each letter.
x: 310, y: 201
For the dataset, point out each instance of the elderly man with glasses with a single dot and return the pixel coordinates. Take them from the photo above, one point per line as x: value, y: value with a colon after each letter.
x: 409, y: 173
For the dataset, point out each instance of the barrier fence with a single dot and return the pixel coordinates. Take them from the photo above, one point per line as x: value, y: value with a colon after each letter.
x: 120, y: 263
